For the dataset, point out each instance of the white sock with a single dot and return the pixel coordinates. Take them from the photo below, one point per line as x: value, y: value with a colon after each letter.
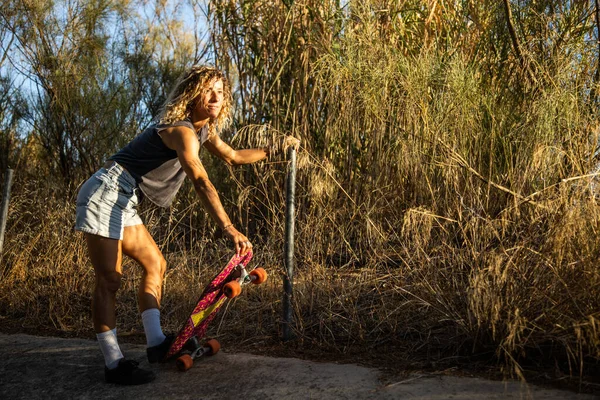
x: 151, y: 321
x: 110, y: 348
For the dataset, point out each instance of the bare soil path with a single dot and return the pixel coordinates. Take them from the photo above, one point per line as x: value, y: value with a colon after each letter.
x: 34, y: 367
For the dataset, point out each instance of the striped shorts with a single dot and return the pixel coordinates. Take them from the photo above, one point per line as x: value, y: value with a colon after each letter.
x: 107, y: 203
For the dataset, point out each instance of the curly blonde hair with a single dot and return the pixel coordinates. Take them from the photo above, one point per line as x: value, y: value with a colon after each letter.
x: 183, y: 97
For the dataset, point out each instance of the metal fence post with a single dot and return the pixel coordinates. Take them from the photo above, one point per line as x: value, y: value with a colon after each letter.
x: 5, y: 199
x: 288, y: 277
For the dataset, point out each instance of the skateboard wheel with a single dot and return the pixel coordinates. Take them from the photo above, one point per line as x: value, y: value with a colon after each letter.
x: 232, y: 289
x: 214, y: 345
x: 259, y: 274
x: 184, y: 362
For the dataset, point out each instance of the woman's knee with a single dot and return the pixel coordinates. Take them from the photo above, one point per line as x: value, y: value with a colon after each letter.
x: 108, y: 281
x: 156, y: 268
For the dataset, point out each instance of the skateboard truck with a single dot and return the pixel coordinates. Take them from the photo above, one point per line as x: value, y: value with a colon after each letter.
x: 234, y: 287
x: 187, y: 357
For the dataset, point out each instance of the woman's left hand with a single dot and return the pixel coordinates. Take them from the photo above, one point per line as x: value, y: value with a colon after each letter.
x: 240, y: 241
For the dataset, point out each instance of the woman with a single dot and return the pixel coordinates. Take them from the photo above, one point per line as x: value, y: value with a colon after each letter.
x: 153, y: 165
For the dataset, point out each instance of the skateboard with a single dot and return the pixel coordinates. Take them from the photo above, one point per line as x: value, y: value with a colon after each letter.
x: 226, y: 285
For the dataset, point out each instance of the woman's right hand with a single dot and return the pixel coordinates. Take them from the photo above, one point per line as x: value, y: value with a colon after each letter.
x: 241, y: 242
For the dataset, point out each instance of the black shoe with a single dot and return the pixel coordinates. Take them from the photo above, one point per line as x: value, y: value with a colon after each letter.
x: 128, y: 373
x: 157, y: 353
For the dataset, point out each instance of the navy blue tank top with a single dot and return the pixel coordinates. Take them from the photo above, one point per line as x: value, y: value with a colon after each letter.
x: 154, y: 166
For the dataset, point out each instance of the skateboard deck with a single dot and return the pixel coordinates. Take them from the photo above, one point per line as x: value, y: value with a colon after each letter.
x: 212, y: 298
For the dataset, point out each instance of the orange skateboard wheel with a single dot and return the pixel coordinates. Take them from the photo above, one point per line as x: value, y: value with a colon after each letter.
x: 184, y: 362
x: 214, y: 345
x: 232, y: 289
x: 259, y: 274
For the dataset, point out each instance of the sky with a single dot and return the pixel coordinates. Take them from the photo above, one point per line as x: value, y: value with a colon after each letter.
x: 182, y: 10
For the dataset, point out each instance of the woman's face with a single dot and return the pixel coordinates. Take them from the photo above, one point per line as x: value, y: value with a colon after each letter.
x: 210, y: 100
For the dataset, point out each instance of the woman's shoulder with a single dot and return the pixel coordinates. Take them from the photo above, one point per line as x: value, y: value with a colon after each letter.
x: 186, y: 122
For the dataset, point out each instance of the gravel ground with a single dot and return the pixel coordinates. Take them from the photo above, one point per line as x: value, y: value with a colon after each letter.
x: 34, y: 367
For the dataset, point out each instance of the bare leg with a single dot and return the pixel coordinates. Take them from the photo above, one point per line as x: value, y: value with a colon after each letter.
x: 106, y: 257
x: 139, y: 245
